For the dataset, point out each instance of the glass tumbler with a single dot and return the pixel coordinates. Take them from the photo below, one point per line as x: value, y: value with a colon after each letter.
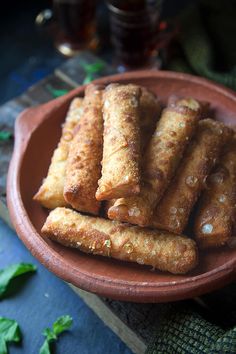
x: 134, y: 26
x: 76, y: 25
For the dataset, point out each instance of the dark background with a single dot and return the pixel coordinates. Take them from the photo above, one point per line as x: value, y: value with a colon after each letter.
x: 28, y: 54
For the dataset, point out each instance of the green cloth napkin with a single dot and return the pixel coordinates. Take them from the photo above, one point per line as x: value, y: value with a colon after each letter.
x: 183, y: 329
x: 207, y: 40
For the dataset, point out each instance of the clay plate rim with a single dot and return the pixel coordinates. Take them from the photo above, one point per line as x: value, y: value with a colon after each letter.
x: 102, y: 285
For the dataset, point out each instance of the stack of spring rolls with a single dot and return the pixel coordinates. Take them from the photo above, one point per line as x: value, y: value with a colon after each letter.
x: 138, y: 171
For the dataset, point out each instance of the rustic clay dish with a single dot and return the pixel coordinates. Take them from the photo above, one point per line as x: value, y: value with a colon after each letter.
x: 37, y: 132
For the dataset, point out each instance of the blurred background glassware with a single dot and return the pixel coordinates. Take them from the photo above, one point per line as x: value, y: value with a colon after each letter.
x: 72, y: 24
x: 134, y: 26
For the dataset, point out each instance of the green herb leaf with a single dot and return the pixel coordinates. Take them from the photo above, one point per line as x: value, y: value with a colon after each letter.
x: 9, y: 332
x: 5, y: 135
x: 11, y: 272
x: 60, y: 325
x: 49, y: 334
x: 3, y: 345
x: 45, y: 348
x: 56, y: 92
x: 88, y: 78
x: 93, y: 68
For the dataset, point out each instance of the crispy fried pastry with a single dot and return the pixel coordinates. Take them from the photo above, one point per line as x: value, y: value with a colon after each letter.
x: 83, y: 168
x: 215, y: 215
x: 150, y: 110
x: 163, y: 251
x: 50, y: 194
x: 172, y: 213
x: 121, y: 148
x: 163, y: 154
x: 202, y: 107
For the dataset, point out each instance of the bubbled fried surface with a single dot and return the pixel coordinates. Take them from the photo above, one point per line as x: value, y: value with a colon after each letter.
x: 163, y: 154
x: 215, y: 215
x: 121, y: 142
x: 172, y: 213
x: 83, y: 168
x: 50, y: 194
x: 150, y: 110
x: 163, y: 251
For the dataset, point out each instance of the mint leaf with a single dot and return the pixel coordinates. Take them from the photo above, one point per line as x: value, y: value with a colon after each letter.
x: 49, y: 334
x: 45, y: 348
x: 60, y: 325
x: 9, y: 329
x: 9, y: 332
x: 11, y: 272
x: 56, y: 92
x: 93, y: 68
x: 88, y: 78
x: 3, y: 345
x: 5, y: 135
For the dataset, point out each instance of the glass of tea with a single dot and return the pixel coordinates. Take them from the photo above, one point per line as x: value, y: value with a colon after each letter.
x: 134, y: 26
x: 76, y: 25
x: 72, y: 23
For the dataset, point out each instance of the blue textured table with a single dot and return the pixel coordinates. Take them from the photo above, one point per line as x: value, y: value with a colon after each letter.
x: 41, y: 298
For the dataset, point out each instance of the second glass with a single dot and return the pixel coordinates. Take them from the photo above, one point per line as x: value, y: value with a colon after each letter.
x: 134, y: 31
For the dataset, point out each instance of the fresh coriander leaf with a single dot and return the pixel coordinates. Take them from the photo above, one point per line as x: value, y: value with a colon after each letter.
x: 45, y: 348
x: 5, y: 135
x: 11, y: 272
x: 9, y: 329
x: 49, y: 334
x: 93, y: 68
x: 88, y: 78
x: 9, y: 332
x: 3, y: 345
x: 60, y: 325
x: 56, y: 92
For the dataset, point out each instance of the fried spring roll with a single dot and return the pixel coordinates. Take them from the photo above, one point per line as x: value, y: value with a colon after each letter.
x: 103, y: 237
x: 50, y: 194
x: 215, y: 216
x: 83, y: 167
x: 163, y: 154
x: 121, y: 149
x: 202, y: 107
x: 150, y: 110
x: 107, y: 205
x: 173, y: 211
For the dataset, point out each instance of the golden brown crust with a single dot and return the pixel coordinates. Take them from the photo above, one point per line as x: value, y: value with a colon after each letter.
x: 215, y: 216
x: 163, y: 251
x: 107, y: 204
x: 163, y: 154
x: 150, y: 110
x: 121, y: 148
x: 50, y: 194
x: 173, y: 211
x: 83, y: 167
x: 201, y: 107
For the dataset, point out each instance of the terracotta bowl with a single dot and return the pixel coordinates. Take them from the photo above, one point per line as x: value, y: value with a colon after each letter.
x: 37, y: 132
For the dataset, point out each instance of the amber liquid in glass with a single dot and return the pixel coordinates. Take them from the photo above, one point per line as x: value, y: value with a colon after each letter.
x: 134, y: 30
x: 76, y: 25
